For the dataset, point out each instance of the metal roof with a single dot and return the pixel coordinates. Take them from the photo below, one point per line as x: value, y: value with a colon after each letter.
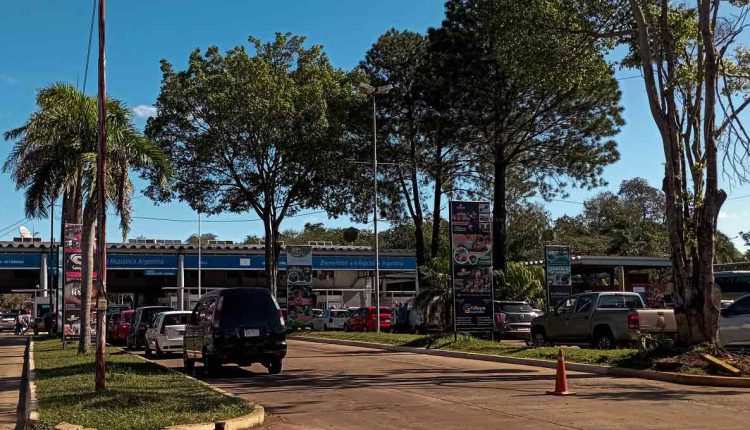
x: 613, y: 261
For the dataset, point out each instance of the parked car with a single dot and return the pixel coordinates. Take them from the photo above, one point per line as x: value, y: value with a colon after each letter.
x: 603, y: 320
x: 119, y: 327
x: 142, y: 318
x: 331, y: 319
x: 165, y: 333
x: 46, y: 323
x: 116, y: 309
x: 726, y: 303
x: 734, y: 324
x: 513, y: 319
x: 235, y: 325
x: 363, y: 319
x: 8, y: 320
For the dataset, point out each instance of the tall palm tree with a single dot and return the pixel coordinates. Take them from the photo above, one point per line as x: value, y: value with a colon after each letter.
x: 54, y: 155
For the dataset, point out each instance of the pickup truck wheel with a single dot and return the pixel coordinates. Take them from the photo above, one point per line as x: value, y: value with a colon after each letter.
x: 603, y: 339
x: 538, y: 338
x: 188, y: 363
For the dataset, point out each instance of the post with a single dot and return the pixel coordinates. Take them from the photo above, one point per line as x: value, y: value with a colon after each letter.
x: 51, y: 260
x: 375, y: 218
x: 181, y: 280
x: 43, y: 276
x: 200, y: 245
x: 99, y: 377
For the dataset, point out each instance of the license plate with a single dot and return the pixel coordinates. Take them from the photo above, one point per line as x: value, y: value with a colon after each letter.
x: 252, y: 332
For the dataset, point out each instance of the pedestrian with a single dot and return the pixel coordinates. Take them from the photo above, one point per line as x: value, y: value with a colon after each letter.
x: 19, y: 324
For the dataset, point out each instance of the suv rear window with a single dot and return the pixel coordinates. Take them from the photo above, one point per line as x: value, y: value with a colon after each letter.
x: 248, y: 307
x: 339, y: 314
x: 148, y: 314
x: 620, y: 301
x: 513, y: 307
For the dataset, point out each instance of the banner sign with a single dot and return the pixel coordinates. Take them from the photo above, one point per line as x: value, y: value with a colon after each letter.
x: 20, y: 261
x: 72, y: 262
x: 471, y: 247
x: 299, y: 294
x: 557, y: 270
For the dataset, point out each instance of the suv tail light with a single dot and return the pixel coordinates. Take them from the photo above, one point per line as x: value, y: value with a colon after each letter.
x: 633, y: 323
x: 281, y: 318
x: 500, y: 318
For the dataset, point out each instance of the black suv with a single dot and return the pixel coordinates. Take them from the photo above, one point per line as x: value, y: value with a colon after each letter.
x: 235, y: 325
x: 141, y: 319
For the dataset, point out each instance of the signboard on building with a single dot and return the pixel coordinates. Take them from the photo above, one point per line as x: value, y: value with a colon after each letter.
x: 299, y: 292
x: 557, y: 270
x: 73, y: 269
x: 471, y: 247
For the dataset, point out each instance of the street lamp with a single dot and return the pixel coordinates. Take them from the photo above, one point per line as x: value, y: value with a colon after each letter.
x: 372, y: 91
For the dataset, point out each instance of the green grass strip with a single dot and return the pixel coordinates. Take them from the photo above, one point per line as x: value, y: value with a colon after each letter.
x: 140, y: 395
x: 471, y: 344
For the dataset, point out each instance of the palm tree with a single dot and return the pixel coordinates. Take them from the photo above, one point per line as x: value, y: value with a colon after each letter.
x: 435, y: 297
x: 54, y: 155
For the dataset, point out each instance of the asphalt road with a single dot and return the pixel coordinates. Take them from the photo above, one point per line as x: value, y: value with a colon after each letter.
x: 340, y: 387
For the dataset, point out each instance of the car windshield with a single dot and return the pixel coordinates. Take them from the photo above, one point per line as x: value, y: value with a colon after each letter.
x: 248, y: 307
x: 177, y: 319
x: 339, y: 314
x: 620, y: 301
x: 513, y: 307
x: 148, y: 314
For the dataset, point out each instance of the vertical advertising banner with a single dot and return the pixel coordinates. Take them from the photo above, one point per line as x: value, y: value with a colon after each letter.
x: 72, y: 268
x: 299, y: 293
x: 557, y: 269
x: 471, y: 247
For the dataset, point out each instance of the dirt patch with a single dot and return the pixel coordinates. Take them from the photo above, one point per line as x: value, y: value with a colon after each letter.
x: 688, y: 360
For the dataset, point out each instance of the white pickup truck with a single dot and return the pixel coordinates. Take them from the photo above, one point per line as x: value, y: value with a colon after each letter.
x: 603, y: 320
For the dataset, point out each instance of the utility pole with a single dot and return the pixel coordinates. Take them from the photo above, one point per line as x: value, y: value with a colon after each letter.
x: 371, y: 91
x: 101, y: 187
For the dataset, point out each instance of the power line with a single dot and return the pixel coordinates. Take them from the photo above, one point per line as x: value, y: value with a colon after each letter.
x: 7, y: 229
x: 219, y: 221
x: 88, y: 50
x: 743, y: 196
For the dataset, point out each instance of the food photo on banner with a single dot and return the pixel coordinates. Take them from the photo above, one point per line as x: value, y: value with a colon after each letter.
x: 72, y: 288
x: 557, y: 267
x: 471, y: 246
x: 300, y: 296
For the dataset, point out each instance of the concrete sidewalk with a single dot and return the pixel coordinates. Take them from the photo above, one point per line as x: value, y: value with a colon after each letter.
x: 11, y: 369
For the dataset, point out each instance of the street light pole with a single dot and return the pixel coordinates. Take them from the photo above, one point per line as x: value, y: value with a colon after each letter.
x: 372, y: 91
x: 200, y: 245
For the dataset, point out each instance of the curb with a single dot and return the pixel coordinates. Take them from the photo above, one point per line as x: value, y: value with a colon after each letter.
x: 27, y: 411
x: 676, y: 378
x: 254, y: 418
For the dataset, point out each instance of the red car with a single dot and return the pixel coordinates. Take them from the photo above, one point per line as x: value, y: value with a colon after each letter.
x: 363, y: 319
x: 119, y: 325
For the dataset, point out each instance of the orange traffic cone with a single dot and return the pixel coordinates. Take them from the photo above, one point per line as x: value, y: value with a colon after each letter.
x: 561, y: 381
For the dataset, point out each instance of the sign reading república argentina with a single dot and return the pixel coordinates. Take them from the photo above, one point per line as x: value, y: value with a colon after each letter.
x: 299, y: 293
x: 471, y: 247
x: 557, y: 270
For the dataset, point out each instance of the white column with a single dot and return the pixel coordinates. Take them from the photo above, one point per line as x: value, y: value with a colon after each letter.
x: 181, y: 280
x: 43, y: 274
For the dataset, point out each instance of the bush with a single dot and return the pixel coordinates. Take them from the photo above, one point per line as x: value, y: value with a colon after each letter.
x: 521, y: 282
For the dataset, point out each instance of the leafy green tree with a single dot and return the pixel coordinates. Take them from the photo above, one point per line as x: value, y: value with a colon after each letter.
x: 261, y: 131
x: 529, y: 98
x: 695, y: 77
x: 55, y: 154
x: 435, y: 297
x: 204, y: 238
x: 528, y: 231
x: 726, y: 252
x: 521, y: 282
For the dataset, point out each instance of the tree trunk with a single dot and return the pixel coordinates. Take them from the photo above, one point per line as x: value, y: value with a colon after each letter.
x: 87, y: 270
x: 436, y: 202
x: 499, y: 216
x: 269, y: 247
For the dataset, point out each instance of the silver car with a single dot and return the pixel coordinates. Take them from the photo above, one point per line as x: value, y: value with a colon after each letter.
x: 734, y: 324
x: 331, y: 319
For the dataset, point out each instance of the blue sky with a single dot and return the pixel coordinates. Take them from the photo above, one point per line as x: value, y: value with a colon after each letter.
x: 44, y: 42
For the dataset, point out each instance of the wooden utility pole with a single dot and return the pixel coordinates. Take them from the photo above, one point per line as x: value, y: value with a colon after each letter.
x: 101, y: 222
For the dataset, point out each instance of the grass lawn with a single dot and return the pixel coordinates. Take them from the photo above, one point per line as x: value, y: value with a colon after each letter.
x: 140, y: 395
x: 470, y: 344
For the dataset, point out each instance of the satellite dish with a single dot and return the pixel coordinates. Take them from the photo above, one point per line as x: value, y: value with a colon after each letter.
x: 25, y: 233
